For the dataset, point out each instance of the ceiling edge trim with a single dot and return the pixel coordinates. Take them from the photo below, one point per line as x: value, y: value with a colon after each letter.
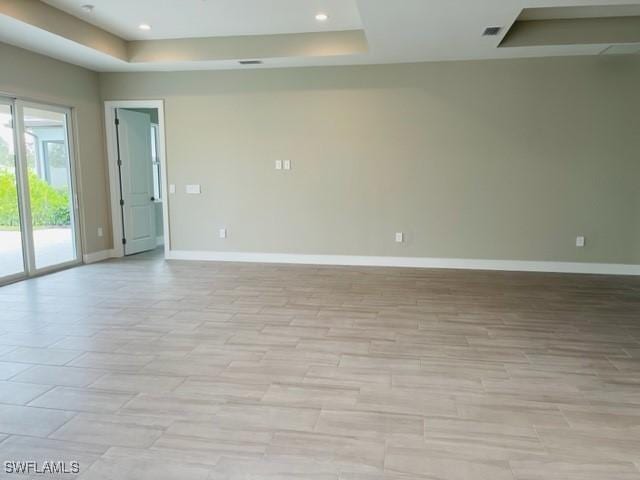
x: 50, y: 19
x: 317, y: 44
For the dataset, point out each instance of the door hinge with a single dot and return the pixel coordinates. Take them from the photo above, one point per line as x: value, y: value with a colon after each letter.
x: 117, y: 122
x: 124, y: 241
x: 121, y: 203
x: 119, y: 162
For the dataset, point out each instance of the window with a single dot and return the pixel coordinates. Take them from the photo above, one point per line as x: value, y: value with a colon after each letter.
x: 155, y: 159
x: 54, y: 162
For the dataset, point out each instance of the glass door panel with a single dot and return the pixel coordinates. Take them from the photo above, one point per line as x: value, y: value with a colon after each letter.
x: 11, y: 239
x: 49, y: 177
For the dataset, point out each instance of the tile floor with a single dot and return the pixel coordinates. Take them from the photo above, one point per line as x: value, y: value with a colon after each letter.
x: 143, y: 369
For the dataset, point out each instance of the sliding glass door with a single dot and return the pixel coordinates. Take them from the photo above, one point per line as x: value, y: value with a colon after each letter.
x: 38, y: 213
x: 12, y: 264
x: 50, y: 179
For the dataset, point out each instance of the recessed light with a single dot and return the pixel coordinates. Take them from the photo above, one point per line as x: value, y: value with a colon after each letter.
x: 88, y: 8
x: 322, y: 17
x: 144, y: 26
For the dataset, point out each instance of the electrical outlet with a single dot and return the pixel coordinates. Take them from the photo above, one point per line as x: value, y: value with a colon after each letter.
x: 580, y: 241
x: 399, y: 237
x: 223, y: 233
x: 193, y: 189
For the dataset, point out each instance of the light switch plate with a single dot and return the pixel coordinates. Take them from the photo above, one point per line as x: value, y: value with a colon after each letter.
x: 399, y: 237
x: 100, y: 233
x: 278, y: 164
x: 223, y: 233
x: 192, y: 189
x: 172, y: 188
x: 287, y: 164
x: 580, y: 241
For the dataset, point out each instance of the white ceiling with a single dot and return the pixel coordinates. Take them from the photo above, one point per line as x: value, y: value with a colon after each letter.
x: 397, y: 30
x: 212, y: 18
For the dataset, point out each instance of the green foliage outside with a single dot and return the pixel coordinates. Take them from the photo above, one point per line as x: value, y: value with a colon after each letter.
x: 49, y: 205
x: 6, y: 157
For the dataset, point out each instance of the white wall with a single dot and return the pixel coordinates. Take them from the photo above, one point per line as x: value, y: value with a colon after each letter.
x: 26, y: 74
x: 489, y: 160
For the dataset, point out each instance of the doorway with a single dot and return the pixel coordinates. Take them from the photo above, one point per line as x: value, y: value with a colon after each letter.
x: 39, y: 229
x: 135, y: 137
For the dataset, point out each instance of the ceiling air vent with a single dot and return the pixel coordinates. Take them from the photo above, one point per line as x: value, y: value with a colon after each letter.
x: 491, y: 31
x: 250, y: 62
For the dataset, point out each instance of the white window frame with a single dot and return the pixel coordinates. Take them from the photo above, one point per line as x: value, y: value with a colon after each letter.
x: 112, y: 157
x: 157, y: 163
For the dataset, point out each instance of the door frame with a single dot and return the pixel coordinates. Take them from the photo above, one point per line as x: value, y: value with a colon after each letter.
x: 17, y: 105
x: 110, y: 107
x: 15, y: 277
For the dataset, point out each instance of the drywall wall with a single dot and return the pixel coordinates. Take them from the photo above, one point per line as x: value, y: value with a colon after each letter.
x: 159, y: 221
x: 152, y: 112
x: 637, y: 241
x: 506, y: 159
x: 53, y: 20
x: 39, y: 78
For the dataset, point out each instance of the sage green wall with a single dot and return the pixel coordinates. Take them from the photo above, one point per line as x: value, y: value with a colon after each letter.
x: 26, y: 74
x: 491, y: 159
x: 637, y: 252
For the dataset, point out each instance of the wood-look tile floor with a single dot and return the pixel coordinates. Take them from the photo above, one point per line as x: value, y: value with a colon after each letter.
x: 145, y: 369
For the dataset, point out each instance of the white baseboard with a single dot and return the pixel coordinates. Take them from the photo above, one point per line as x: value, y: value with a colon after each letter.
x: 410, y: 262
x: 97, y: 256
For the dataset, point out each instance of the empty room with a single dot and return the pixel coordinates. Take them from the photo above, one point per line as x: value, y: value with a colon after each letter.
x: 320, y: 239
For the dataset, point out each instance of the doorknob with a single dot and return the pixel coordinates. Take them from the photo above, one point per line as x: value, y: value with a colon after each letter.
x: 153, y: 199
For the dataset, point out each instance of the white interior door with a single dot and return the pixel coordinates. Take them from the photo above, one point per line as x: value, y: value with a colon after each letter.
x: 136, y: 180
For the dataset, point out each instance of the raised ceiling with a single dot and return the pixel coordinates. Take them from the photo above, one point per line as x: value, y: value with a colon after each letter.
x: 616, y: 24
x: 215, y: 34
x: 213, y: 18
